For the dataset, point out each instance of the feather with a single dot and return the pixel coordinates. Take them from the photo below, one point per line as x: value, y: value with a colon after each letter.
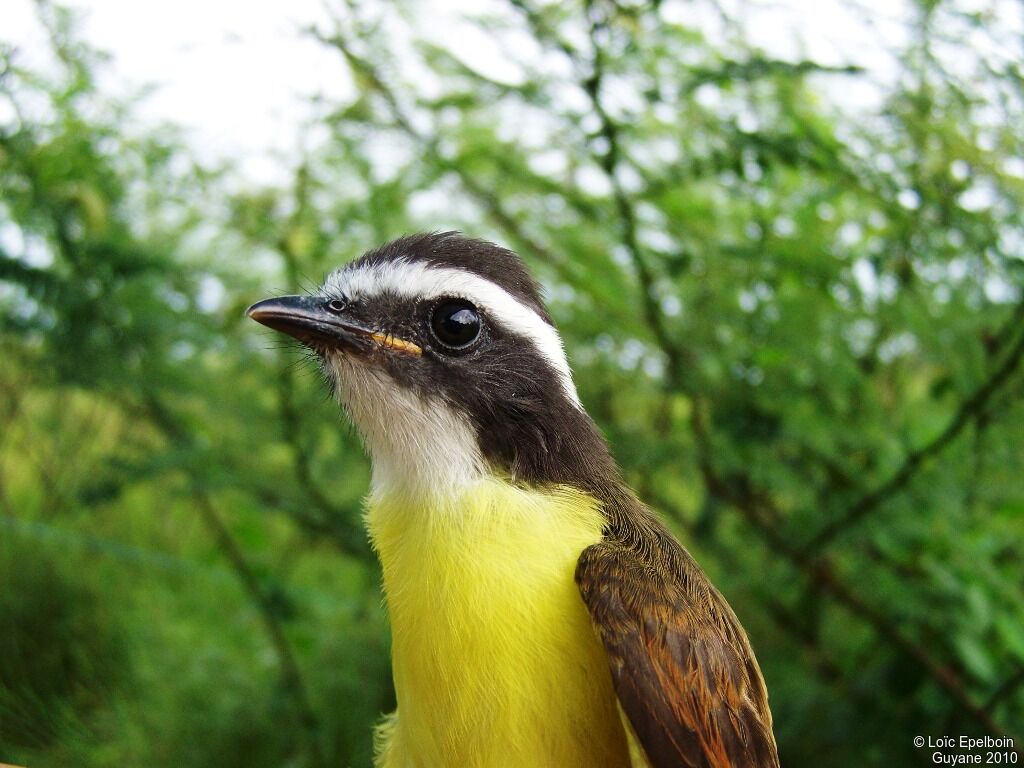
x: 683, y: 669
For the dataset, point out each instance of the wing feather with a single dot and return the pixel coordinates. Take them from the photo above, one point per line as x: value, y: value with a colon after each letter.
x: 682, y: 666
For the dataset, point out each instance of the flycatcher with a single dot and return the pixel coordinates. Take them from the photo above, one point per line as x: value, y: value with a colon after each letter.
x: 541, y: 615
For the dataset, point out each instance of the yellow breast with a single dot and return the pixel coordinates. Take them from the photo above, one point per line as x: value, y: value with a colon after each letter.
x: 495, y: 660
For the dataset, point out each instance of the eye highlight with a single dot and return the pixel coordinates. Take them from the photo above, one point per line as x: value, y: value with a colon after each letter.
x: 455, y: 323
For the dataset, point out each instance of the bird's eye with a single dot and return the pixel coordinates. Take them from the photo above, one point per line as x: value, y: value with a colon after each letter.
x: 455, y: 323
x: 336, y: 305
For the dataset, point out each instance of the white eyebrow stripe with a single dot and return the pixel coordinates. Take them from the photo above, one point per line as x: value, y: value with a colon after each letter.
x: 419, y: 280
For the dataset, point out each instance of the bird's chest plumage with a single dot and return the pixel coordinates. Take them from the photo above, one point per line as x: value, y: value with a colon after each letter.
x: 495, y: 660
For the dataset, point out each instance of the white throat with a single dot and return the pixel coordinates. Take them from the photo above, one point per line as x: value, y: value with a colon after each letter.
x: 419, y: 448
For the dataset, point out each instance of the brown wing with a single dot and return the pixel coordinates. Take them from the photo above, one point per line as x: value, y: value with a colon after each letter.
x: 681, y: 663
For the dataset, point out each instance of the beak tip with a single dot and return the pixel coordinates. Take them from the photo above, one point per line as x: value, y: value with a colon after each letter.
x: 256, y: 311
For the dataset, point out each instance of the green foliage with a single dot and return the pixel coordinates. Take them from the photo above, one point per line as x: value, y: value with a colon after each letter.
x: 65, y: 655
x: 800, y: 326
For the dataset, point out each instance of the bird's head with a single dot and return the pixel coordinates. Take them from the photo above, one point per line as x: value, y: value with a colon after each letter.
x: 443, y: 354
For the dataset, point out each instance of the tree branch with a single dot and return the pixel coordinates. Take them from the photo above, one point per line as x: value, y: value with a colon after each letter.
x: 429, y: 145
x: 1008, y: 686
x: 332, y: 519
x: 291, y: 675
x: 969, y: 410
x: 678, y: 357
x: 822, y: 577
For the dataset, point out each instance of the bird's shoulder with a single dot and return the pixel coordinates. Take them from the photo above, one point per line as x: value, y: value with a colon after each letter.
x: 682, y: 666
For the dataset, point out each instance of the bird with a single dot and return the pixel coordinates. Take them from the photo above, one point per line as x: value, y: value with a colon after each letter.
x: 541, y: 614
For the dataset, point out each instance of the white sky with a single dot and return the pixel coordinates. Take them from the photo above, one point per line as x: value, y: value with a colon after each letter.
x: 237, y: 74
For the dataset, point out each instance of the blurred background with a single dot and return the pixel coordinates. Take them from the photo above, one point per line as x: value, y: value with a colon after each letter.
x: 783, y: 241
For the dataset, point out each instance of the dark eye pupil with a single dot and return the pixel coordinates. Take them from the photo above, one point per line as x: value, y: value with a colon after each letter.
x: 456, y: 323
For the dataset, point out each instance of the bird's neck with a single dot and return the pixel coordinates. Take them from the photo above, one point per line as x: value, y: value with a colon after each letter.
x: 420, y: 448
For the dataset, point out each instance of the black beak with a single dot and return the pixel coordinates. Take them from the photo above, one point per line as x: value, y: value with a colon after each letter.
x: 311, y: 321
